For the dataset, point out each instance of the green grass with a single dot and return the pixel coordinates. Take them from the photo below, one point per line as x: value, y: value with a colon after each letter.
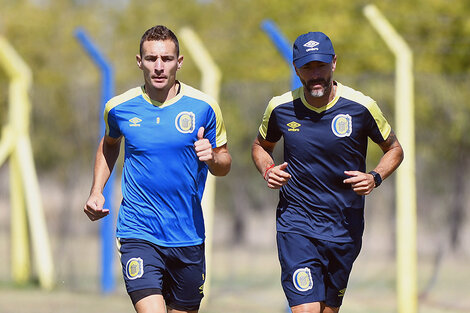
x: 246, y: 279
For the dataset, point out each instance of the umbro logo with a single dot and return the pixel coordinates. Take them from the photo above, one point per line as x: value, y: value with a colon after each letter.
x: 341, y: 292
x: 311, y: 45
x: 135, y: 121
x: 293, y: 126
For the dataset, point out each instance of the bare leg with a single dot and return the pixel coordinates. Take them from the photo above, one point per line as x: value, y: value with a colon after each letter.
x: 328, y: 309
x: 314, y: 307
x: 151, y: 304
x: 170, y: 310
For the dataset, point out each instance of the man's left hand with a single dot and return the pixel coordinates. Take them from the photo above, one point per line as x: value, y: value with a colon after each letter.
x: 361, y: 183
x: 203, y: 147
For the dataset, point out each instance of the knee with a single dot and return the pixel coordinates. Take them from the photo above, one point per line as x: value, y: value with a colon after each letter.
x: 329, y: 309
x: 314, y: 307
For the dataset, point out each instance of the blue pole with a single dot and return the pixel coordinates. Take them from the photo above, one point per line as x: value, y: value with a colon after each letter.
x: 107, y: 224
x: 284, y: 48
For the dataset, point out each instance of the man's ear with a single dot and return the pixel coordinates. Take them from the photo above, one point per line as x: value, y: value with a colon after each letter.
x: 180, y: 61
x: 139, y: 60
x: 295, y: 68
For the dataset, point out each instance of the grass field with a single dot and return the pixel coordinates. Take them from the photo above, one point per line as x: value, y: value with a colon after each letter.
x: 246, y: 279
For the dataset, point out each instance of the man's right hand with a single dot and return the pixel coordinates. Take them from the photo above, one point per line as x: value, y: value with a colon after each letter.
x: 277, y: 177
x: 94, y: 207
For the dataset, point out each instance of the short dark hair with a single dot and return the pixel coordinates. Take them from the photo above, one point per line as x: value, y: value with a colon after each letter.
x: 158, y: 33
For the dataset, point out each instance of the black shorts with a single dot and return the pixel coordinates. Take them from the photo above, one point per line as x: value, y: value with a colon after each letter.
x: 177, y: 273
x: 315, y: 270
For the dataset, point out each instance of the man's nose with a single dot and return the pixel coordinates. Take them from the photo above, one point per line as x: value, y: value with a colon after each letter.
x: 158, y: 65
x: 316, y: 75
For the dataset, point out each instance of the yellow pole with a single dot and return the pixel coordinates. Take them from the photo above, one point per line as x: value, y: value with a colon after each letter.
x: 211, y: 77
x: 24, y: 179
x: 7, y: 143
x: 406, y: 225
x: 36, y: 219
x: 20, y: 257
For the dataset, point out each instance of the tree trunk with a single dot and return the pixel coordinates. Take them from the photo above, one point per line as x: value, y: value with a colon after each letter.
x: 457, y: 214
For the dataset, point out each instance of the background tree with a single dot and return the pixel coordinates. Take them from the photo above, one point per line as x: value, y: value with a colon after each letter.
x: 66, y: 90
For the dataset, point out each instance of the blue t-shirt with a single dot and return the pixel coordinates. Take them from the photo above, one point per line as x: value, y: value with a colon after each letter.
x: 319, y: 145
x: 163, y: 180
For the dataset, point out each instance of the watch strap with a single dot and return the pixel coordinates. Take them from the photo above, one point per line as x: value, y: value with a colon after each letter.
x: 377, y: 178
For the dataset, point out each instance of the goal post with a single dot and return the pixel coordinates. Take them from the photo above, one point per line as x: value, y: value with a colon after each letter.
x: 211, y: 77
x: 27, y: 218
x: 406, y: 220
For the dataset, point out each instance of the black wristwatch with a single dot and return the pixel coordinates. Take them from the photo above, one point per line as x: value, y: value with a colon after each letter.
x: 377, y: 178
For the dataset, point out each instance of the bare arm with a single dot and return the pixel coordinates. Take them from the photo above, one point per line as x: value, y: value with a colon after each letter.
x: 392, y: 158
x: 363, y: 183
x: 221, y: 161
x: 106, y: 156
x: 218, y: 159
x: 261, y: 153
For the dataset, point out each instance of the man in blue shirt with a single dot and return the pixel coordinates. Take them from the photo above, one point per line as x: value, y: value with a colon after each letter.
x: 173, y: 134
x: 323, y: 181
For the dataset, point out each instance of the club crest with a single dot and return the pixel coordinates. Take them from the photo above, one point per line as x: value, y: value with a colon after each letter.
x: 302, y: 279
x: 135, y: 268
x: 185, y: 122
x: 342, y: 125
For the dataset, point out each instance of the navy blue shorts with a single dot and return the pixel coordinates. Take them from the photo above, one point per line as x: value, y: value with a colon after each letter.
x: 315, y: 270
x: 177, y: 273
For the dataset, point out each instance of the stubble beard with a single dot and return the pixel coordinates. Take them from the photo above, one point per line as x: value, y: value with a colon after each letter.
x: 318, y: 93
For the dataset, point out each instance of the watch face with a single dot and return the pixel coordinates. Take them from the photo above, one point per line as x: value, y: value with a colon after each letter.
x: 377, y: 178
